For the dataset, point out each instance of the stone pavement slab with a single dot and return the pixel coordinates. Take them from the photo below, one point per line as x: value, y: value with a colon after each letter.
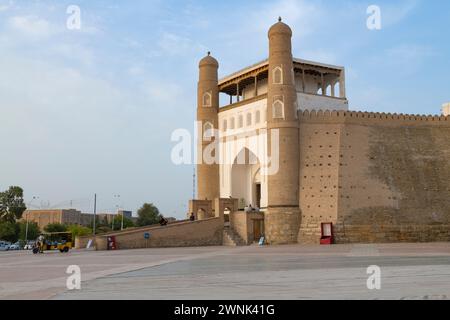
x: 409, y: 271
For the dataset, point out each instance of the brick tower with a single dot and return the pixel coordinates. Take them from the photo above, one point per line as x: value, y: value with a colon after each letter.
x: 207, y: 116
x: 283, y: 213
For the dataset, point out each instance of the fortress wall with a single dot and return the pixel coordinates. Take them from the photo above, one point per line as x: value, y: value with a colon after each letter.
x: 371, y: 118
x: 394, y: 176
x: 319, y: 166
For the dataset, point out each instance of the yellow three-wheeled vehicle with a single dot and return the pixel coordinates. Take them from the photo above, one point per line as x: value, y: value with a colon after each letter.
x: 61, y: 241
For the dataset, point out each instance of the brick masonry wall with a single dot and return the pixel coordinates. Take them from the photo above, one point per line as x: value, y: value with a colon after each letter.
x: 281, y: 225
x: 242, y: 223
x: 239, y: 223
x: 81, y: 242
x: 185, y: 234
x: 393, y: 174
x: 319, y: 178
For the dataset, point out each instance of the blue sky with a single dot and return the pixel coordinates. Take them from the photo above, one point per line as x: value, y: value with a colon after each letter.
x: 92, y: 110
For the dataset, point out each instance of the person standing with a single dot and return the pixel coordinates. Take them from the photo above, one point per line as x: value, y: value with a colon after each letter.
x: 40, y: 243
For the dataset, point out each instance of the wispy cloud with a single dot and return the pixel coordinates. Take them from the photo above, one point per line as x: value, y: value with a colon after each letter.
x: 299, y: 14
x: 398, y: 11
x: 405, y: 59
x: 175, y: 45
x: 31, y: 26
x: 410, y: 53
x: 6, y: 5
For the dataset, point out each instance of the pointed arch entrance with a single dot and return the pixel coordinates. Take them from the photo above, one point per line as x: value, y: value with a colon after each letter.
x: 246, y: 179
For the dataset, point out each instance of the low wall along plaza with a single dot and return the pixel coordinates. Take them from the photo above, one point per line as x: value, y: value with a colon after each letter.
x: 207, y: 232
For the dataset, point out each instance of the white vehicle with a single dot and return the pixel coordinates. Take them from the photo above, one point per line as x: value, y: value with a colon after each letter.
x: 15, y: 246
x: 4, y: 246
x: 30, y: 245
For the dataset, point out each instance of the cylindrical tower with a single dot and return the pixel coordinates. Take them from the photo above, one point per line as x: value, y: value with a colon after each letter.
x: 282, y: 217
x: 207, y: 117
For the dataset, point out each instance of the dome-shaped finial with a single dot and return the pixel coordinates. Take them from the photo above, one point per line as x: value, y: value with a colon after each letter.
x: 209, y: 60
x: 280, y: 28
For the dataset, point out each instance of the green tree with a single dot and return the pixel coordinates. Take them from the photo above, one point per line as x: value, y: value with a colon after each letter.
x: 9, y: 231
x: 11, y: 204
x: 103, y: 222
x: 148, y: 215
x: 55, y: 227
x: 127, y: 223
x: 78, y: 230
x: 33, y: 230
x: 103, y: 229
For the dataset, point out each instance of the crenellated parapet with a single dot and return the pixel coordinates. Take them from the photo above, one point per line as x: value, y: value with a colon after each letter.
x: 372, y: 118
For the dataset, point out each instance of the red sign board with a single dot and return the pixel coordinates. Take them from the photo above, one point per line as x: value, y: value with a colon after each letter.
x: 327, y: 234
x: 112, y: 243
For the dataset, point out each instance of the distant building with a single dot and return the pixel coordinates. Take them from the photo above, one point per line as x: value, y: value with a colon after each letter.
x: 125, y: 213
x: 106, y: 217
x: 62, y: 216
x: 71, y: 216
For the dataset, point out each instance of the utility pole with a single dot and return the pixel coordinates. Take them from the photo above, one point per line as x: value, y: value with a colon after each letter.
x: 95, y: 211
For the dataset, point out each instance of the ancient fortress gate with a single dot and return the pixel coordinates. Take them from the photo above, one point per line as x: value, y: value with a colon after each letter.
x: 278, y: 136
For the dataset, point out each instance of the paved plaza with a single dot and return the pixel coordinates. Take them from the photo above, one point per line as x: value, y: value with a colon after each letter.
x: 408, y: 271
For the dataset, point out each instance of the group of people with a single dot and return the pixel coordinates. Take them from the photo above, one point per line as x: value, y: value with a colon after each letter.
x: 249, y: 209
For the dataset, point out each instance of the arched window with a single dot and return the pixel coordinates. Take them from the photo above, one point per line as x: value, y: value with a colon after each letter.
x: 207, y: 99
x: 225, y: 125
x: 241, y: 121
x: 208, y: 131
x: 277, y: 75
x: 278, y: 107
x: 249, y: 119
x: 258, y: 117
x: 319, y: 91
x: 337, y: 89
x: 232, y: 123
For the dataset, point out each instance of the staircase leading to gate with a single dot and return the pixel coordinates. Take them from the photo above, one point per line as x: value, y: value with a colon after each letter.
x: 231, y: 238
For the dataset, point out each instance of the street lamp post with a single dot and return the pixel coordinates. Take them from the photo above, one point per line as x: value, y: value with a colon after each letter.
x: 95, y: 215
x: 118, y: 207
x: 122, y: 222
x: 28, y: 217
